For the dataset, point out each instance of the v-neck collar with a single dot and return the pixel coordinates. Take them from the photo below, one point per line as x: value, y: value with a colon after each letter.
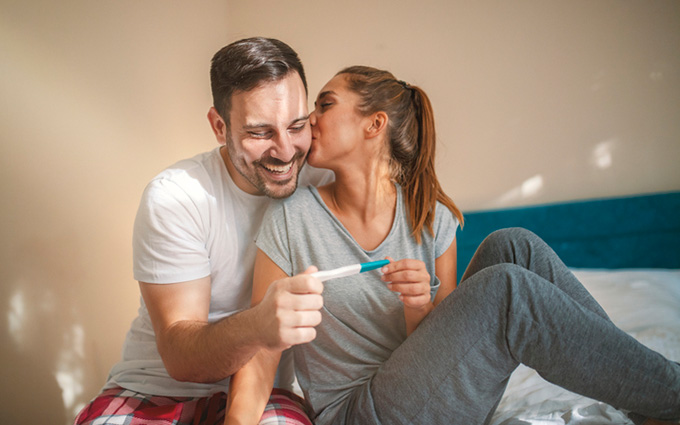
x: 393, y: 229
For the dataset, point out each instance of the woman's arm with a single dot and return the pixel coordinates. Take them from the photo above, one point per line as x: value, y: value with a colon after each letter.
x: 251, y: 386
x: 412, y: 281
x: 445, y: 267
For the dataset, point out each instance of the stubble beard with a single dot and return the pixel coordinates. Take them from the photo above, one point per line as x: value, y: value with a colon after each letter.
x: 273, y: 188
x: 255, y: 173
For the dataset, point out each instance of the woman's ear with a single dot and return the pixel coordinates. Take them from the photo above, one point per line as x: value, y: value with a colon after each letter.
x: 377, y: 124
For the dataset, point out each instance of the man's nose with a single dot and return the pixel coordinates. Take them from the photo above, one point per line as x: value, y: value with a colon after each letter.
x: 283, y: 148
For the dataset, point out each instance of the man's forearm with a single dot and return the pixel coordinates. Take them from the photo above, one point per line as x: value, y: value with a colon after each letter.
x: 208, y: 352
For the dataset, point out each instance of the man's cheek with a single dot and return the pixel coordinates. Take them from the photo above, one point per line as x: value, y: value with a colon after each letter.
x: 304, y: 143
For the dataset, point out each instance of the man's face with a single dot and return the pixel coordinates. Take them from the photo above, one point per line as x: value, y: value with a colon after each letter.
x: 268, y: 137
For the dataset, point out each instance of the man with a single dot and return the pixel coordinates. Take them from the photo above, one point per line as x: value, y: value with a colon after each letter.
x: 193, y: 252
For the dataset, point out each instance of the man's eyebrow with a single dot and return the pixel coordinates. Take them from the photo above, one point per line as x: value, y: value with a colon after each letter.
x: 297, y: 120
x: 260, y: 126
x: 256, y: 126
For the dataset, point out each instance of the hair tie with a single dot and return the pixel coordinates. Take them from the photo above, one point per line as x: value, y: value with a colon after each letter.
x: 404, y: 84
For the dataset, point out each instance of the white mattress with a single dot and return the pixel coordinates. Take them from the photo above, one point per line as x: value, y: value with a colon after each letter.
x: 644, y: 303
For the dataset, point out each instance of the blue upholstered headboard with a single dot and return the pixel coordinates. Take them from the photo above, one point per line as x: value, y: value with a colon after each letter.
x: 630, y: 232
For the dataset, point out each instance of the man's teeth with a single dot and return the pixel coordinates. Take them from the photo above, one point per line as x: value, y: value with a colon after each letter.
x: 281, y: 169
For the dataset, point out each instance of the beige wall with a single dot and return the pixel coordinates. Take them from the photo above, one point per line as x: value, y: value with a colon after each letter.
x: 536, y: 101
x: 96, y: 97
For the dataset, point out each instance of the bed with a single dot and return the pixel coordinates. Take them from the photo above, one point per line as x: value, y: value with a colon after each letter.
x: 626, y: 251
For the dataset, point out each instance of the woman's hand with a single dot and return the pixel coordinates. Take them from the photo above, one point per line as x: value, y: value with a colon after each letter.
x: 411, y: 280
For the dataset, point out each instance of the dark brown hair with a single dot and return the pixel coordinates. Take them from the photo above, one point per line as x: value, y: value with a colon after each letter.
x: 247, y: 63
x: 412, y: 140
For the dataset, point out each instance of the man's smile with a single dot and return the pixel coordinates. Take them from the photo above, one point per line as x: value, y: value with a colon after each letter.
x: 278, y: 169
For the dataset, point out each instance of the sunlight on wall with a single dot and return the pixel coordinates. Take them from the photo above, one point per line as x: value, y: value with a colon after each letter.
x: 70, y: 373
x: 41, y: 327
x: 530, y: 188
x: 15, y: 317
x: 602, y: 156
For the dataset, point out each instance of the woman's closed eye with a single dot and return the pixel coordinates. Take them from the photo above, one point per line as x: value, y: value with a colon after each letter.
x: 324, y: 105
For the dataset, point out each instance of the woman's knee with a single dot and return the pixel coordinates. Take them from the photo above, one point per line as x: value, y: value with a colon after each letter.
x: 497, y: 278
x: 499, y: 244
x: 509, y: 235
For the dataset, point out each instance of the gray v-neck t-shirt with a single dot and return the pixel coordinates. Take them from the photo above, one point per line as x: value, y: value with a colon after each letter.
x: 362, y: 321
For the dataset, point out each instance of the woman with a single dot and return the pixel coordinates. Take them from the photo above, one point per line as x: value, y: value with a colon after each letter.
x: 406, y: 347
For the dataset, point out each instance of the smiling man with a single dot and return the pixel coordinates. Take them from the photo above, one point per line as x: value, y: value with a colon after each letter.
x: 268, y: 136
x: 193, y: 253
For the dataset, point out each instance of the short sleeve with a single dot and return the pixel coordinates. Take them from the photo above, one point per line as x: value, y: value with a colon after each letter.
x: 169, y: 242
x: 445, y: 227
x: 272, y: 238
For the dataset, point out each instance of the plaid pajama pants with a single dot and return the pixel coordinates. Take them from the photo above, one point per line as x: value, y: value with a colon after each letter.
x: 118, y: 406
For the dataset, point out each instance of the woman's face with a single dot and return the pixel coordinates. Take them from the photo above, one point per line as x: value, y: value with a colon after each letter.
x: 337, y: 126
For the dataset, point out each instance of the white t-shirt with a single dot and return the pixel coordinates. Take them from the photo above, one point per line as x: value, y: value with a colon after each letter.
x: 192, y: 222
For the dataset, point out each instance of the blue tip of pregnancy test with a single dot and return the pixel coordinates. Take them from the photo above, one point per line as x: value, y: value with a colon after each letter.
x: 373, y: 265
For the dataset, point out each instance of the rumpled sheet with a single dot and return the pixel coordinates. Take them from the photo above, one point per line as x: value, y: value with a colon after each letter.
x: 644, y: 303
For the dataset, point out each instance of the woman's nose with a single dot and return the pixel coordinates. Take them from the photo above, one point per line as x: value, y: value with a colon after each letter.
x: 312, y: 118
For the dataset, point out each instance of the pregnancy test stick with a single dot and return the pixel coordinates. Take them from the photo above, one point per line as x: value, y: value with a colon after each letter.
x: 349, y: 270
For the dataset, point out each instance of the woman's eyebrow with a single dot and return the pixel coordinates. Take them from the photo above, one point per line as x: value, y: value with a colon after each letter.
x: 322, y: 95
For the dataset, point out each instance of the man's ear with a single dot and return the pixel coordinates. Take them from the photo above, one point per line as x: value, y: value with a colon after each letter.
x: 377, y: 124
x: 219, y: 127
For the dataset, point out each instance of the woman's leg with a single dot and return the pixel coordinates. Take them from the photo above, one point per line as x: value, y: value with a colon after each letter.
x: 454, y: 368
x: 524, y: 248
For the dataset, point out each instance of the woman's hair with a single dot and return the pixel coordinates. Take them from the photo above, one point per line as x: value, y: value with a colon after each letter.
x: 245, y: 64
x: 411, y: 141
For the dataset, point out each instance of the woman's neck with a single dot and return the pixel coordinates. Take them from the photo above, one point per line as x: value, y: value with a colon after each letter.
x: 364, y: 199
x: 361, y: 191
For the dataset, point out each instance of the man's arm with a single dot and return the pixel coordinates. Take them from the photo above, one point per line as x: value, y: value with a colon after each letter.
x: 191, y: 348
x: 194, y: 350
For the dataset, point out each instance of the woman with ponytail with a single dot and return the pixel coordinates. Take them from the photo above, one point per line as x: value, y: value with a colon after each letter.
x: 401, y: 346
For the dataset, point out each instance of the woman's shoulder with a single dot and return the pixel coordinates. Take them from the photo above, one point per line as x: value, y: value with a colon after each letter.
x: 444, y: 217
x: 293, y: 212
x: 444, y: 212
x: 300, y: 200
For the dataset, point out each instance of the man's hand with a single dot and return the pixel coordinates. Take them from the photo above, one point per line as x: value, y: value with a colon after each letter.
x: 289, y: 311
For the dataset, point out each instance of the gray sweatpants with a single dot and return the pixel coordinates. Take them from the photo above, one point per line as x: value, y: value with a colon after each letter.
x: 517, y: 303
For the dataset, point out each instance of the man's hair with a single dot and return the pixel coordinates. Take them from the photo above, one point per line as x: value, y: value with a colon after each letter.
x: 245, y: 64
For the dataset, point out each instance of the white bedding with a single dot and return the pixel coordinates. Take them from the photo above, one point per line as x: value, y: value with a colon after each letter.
x: 644, y: 303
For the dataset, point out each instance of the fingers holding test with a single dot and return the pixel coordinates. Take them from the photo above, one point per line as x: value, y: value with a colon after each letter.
x: 410, y: 279
x: 405, y: 271
x: 304, y: 283
x: 291, y: 310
